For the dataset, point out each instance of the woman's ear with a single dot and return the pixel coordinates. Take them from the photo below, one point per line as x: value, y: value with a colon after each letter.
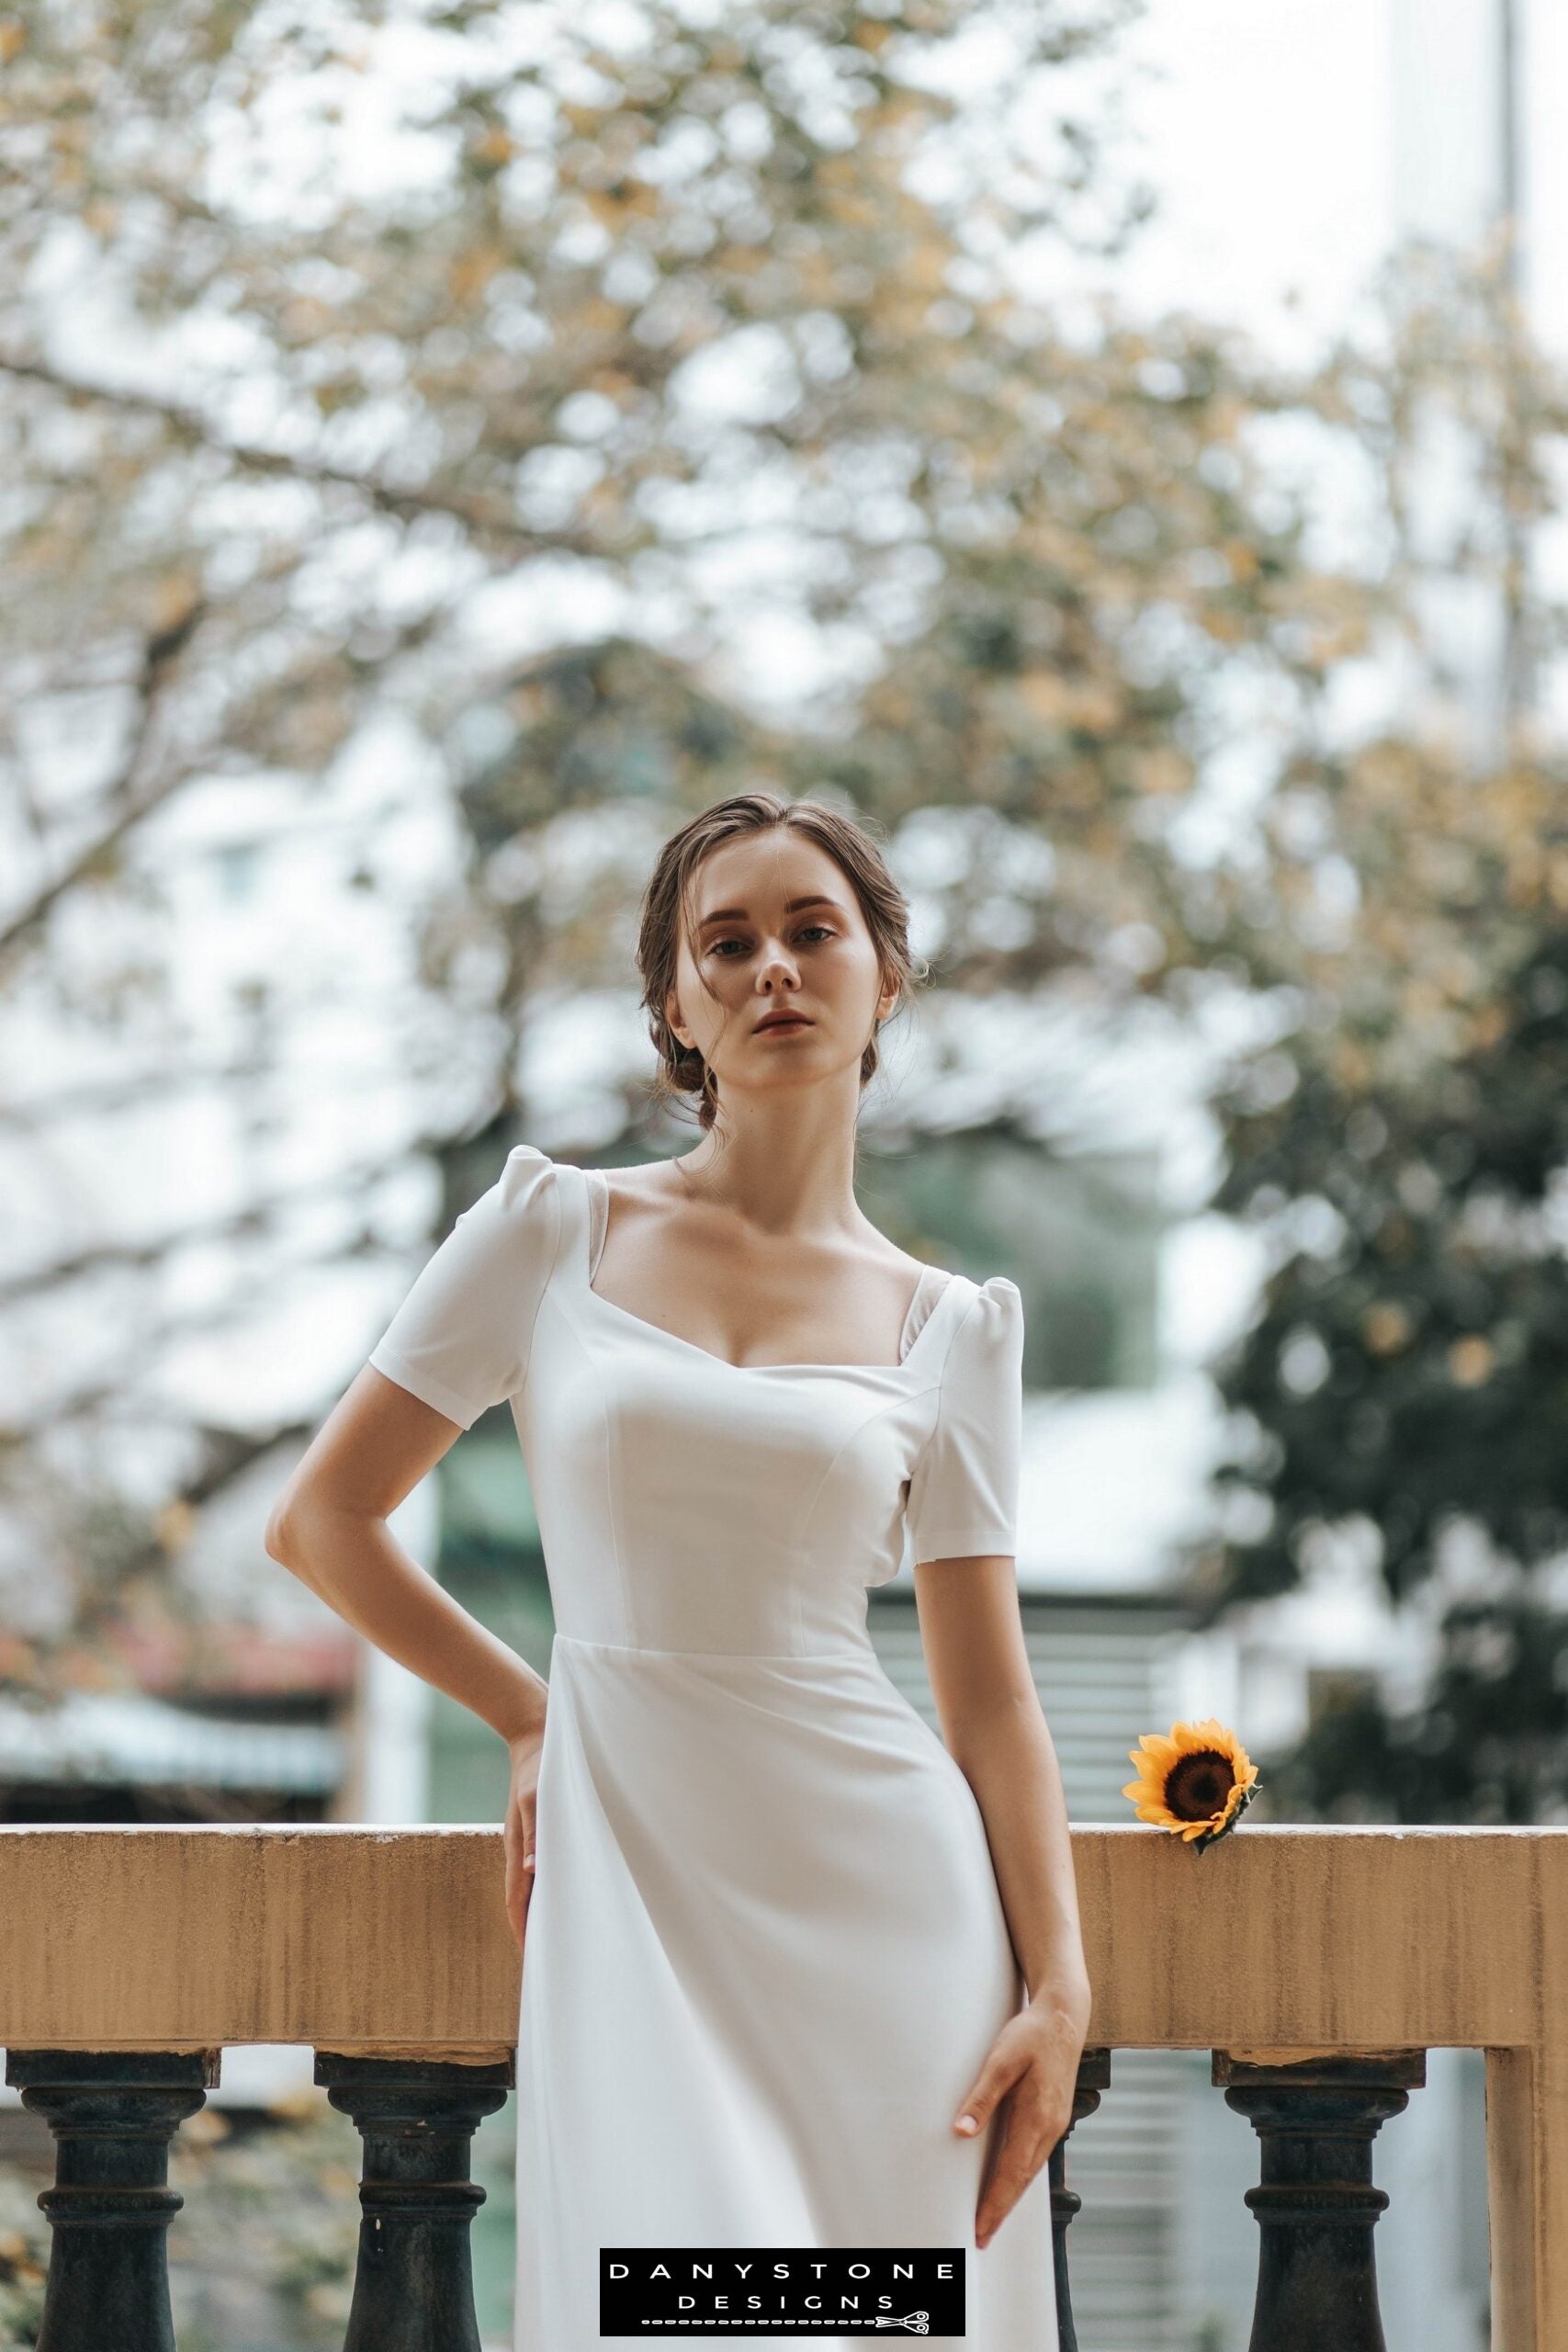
x: 672, y: 1019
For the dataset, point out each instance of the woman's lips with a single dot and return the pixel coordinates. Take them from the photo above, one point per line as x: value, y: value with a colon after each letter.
x: 786, y: 1028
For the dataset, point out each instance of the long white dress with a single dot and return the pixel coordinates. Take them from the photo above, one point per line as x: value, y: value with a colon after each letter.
x: 765, y: 1951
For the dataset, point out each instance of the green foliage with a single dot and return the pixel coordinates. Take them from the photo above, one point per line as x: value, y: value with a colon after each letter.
x: 1488, y: 1741
x: 1410, y: 1362
x: 1407, y: 1375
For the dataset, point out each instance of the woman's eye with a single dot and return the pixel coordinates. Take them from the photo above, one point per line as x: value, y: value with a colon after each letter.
x: 718, y: 946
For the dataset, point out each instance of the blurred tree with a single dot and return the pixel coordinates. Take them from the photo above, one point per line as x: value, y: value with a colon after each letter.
x: 1410, y: 1360
x: 481, y: 379
x: 280, y: 441
x: 1407, y: 1381
x: 1400, y: 1144
x: 344, y: 356
x: 725, y: 321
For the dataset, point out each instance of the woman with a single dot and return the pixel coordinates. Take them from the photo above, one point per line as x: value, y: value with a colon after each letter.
x: 773, y: 1927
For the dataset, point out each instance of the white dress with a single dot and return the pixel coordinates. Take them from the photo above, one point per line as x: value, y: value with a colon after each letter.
x: 765, y: 1951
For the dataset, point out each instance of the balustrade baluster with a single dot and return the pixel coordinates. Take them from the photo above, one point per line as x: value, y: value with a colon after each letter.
x: 1093, y: 2076
x: 414, y: 2283
x: 1316, y: 2206
x: 113, y: 2114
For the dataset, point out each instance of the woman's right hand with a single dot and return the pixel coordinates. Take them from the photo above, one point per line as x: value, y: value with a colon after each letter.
x: 518, y: 1831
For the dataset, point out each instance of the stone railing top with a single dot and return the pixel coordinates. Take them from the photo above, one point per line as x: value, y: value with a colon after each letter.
x: 396, y: 1940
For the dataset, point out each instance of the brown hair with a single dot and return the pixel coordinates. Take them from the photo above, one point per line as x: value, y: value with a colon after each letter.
x: 667, y: 910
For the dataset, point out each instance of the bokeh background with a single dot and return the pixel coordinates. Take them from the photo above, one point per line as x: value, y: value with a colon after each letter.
x: 1116, y: 450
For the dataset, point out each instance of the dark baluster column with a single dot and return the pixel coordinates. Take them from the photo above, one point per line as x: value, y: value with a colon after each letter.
x: 413, y: 2285
x: 1094, y: 2077
x: 1316, y: 2206
x: 113, y: 2114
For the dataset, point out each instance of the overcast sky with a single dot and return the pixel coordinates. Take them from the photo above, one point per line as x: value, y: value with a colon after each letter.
x: 1291, y: 141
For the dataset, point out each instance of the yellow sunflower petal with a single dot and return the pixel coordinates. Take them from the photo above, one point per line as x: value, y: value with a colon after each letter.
x: 1153, y: 1760
x: 1208, y: 1733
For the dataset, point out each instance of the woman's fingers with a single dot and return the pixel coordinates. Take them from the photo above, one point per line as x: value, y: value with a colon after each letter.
x: 518, y: 1829
x: 1020, y: 2078
x: 1006, y: 2060
x: 1021, y: 2153
x: 517, y: 1890
x: 518, y: 1840
x: 519, y: 1887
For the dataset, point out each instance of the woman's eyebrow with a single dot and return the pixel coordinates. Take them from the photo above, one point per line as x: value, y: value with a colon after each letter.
x: 792, y: 906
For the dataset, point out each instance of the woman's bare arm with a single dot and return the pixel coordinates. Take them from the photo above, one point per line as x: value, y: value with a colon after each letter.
x: 996, y: 1733
x: 328, y: 1528
x: 998, y: 1736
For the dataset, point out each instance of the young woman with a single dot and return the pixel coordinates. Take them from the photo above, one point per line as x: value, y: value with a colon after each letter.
x: 773, y: 1927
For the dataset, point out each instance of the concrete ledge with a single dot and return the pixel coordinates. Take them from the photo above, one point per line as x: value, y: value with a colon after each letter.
x: 1280, y: 1939
x: 1281, y: 1942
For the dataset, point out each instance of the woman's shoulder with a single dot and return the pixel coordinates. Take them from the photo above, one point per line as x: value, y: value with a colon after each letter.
x: 525, y: 1165
x: 461, y: 1337
x: 521, y: 1201
x: 513, y: 1226
x: 987, y: 1327
x: 1000, y: 1295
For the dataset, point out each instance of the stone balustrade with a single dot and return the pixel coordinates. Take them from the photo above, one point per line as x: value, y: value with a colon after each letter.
x: 1318, y: 1965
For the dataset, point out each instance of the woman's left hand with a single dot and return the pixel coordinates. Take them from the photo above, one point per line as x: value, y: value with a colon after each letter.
x: 1030, y: 2072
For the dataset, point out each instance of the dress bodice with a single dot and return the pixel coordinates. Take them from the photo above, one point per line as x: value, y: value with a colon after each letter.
x: 933, y: 1280
x: 688, y: 1504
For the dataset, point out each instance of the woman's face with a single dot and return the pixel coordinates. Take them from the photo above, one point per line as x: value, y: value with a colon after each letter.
x: 777, y: 928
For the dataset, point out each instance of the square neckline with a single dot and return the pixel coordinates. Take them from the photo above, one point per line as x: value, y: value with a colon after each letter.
x: 585, y: 1269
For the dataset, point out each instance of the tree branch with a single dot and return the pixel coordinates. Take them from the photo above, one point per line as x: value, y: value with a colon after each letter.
x: 231, y: 1226
x: 484, y: 517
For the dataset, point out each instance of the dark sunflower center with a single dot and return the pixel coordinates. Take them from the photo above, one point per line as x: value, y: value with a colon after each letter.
x: 1196, y: 1786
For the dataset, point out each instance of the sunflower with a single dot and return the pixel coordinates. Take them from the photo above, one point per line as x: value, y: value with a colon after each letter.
x: 1196, y: 1783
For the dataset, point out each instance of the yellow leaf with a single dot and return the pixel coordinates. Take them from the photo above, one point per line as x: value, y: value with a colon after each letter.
x: 171, y: 600
x: 1386, y: 1328
x: 1471, y: 1359
x: 471, y: 272
x: 1161, y: 769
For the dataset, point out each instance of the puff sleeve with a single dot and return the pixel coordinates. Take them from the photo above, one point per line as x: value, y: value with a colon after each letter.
x: 964, y: 1490
x: 462, y: 1338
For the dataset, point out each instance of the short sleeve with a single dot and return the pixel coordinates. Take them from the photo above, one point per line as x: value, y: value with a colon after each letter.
x: 462, y: 1338
x: 963, y: 1490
